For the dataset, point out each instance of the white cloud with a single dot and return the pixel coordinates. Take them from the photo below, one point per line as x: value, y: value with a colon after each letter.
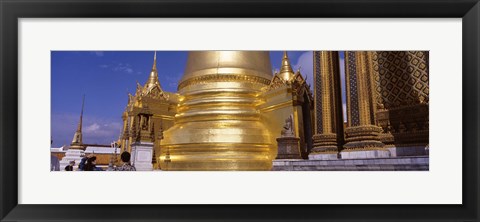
x: 96, y: 130
x: 101, y: 132
x: 92, y: 128
x: 122, y: 67
x: 119, y: 67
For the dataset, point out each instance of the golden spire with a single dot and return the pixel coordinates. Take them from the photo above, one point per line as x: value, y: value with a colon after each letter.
x: 81, y: 116
x: 153, y: 79
x: 77, y: 137
x: 154, y: 61
x: 286, y: 71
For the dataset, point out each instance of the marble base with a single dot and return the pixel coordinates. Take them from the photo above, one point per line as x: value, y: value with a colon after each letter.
x: 72, y: 154
x: 408, y: 151
x: 363, y: 154
x: 411, y: 163
x: 323, y: 156
x: 288, y: 148
x: 142, y: 156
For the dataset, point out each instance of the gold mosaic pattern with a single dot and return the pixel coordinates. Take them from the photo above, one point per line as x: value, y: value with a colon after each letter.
x: 351, y: 72
x: 318, y: 93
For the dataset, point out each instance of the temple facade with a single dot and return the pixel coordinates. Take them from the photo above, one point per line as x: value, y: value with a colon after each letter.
x: 289, y: 94
x: 227, y: 114
x: 147, y: 114
x: 387, y: 105
x: 232, y: 112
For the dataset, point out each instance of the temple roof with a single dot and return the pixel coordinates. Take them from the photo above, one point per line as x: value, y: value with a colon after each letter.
x: 152, y: 87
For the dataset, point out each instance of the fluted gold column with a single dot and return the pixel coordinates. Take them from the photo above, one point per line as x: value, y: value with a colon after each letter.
x: 361, y: 134
x: 328, y: 106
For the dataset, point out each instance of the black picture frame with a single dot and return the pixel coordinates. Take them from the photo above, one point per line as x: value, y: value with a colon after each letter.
x: 11, y: 11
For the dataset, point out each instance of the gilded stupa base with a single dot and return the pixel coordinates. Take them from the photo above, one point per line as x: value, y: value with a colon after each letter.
x: 216, y: 157
x: 217, y: 145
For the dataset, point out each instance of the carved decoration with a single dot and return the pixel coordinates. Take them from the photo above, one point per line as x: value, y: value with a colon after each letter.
x: 402, y: 92
x: 223, y: 78
x: 297, y: 85
x: 288, y: 127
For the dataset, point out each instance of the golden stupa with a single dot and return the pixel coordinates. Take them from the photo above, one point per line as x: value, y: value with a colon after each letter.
x: 227, y: 114
x: 217, y: 126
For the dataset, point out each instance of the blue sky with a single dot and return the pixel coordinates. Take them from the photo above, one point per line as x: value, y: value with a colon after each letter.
x: 105, y: 77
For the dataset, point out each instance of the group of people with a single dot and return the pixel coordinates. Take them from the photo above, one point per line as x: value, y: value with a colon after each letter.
x: 88, y: 163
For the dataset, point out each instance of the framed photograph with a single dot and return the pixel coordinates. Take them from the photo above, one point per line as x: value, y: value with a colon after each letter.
x: 267, y: 110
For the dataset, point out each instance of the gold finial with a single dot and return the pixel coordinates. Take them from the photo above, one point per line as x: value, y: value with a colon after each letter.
x: 286, y: 71
x: 154, y: 61
x: 153, y: 79
x: 81, y: 115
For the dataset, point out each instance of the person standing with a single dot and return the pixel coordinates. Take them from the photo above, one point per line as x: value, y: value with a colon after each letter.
x: 54, y: 163
x: 125, y: 156
x: 91, y: 164
x: 81, y: 166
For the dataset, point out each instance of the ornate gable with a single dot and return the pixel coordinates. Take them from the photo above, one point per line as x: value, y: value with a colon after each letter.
x: 297, y: 85
x: 276, y: 82
x: 155, y: 92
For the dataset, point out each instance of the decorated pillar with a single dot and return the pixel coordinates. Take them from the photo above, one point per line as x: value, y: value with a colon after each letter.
x: 131, y: 133
x: 328, y: 106
x: 361, y: 135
